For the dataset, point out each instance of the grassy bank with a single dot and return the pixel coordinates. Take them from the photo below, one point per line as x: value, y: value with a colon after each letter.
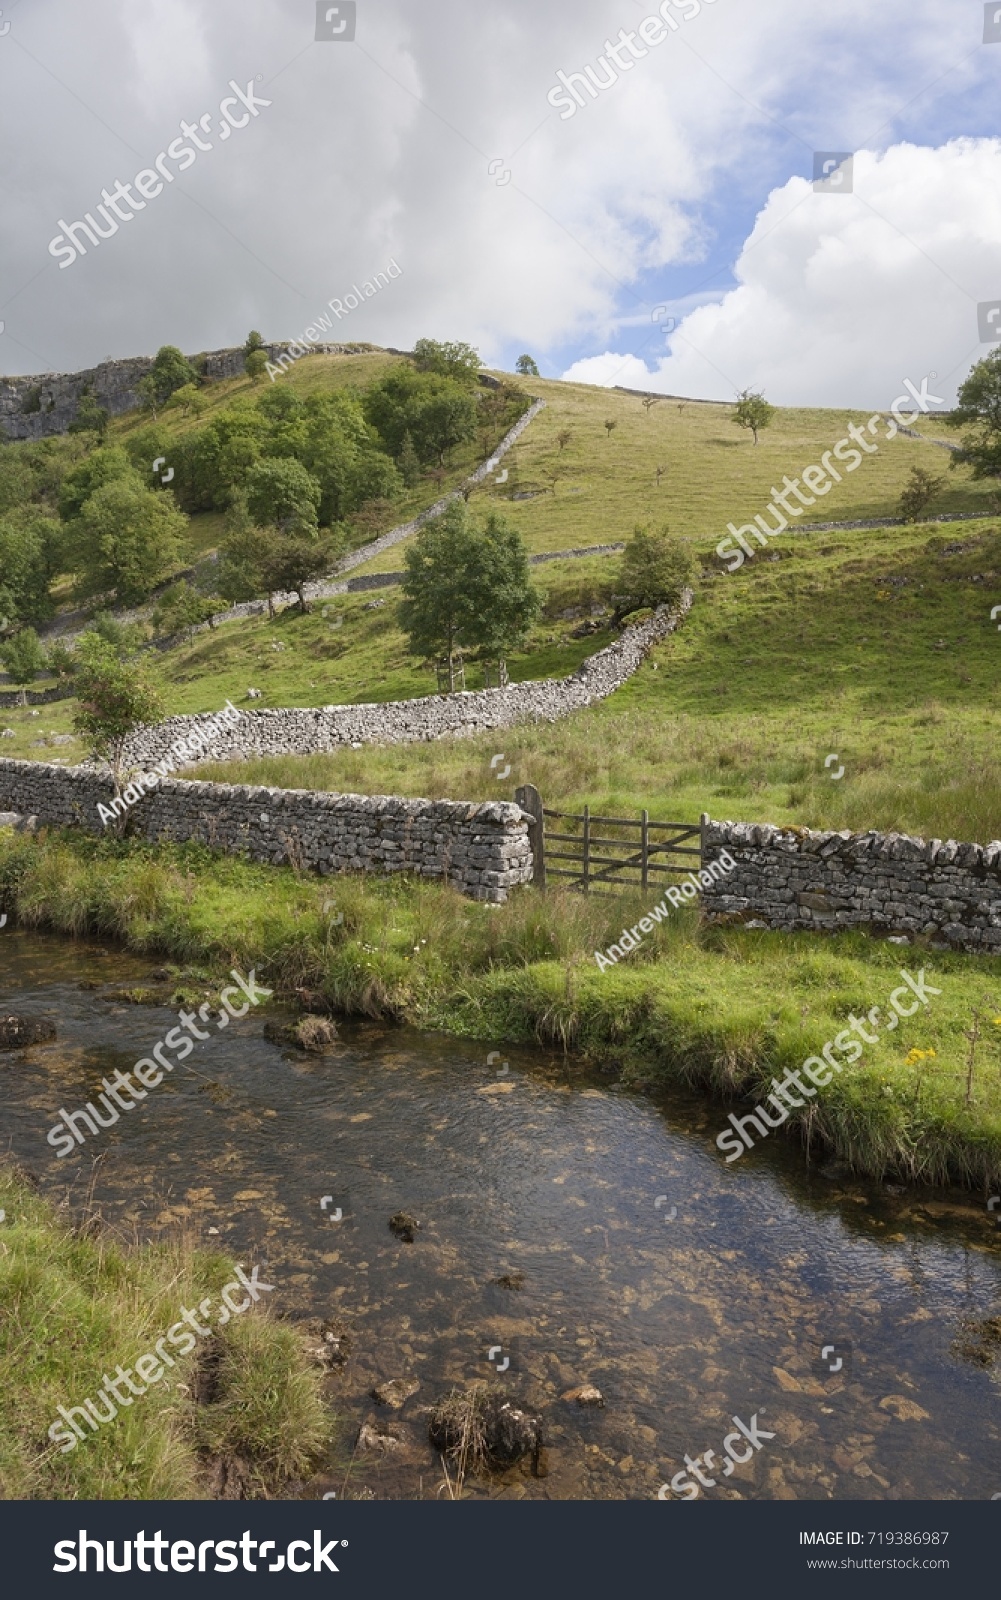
x: 713, y: 1007
x: 76, y: 1303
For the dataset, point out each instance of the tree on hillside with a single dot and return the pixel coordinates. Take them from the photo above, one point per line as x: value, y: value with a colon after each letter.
x: 31, y: 551
x: 124, y: 638
x: 282, y: 495
x: 407, y: 462
x: 610, y: 426
x: 171, y: 370
x: 24, y: 659
x: 113, y: 698
x: 182, y: 608
x: 97, y: 469
x: 753, y: 411
x: 256, y: 365
x: 449, y: 360
x: 921, y: 489
x: 978, y: 411
x: 527, y: 367
x: 242, y: 554
x: 656, y: 568
x: 438, y: 412
x: 252, y: 342
x: 91, y: 417
x: 563, y: 438
x: 466, y: 589
x: 126, y: 539
x: 503, y: 600
x: 188, y: 398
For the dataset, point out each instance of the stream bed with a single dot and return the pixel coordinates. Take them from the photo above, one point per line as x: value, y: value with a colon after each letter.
x: 631, y: 1258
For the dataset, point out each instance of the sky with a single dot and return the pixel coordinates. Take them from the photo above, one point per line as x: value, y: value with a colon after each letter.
x: 666, y: 235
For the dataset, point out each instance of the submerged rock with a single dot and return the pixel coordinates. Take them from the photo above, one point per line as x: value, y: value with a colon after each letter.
x: 370, y: 1437
x: 586, y: 1395
x: 17, y: 1032
x: 404, y: 1226
x: 510, y: 1280
x: 395, y: 1392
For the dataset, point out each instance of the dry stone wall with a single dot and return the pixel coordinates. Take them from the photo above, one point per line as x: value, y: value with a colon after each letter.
x: 887, y: 882
x: 308, y: 730
x: 483, y: 850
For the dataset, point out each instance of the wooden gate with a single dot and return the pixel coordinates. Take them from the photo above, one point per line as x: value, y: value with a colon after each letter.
x: 596, y: 854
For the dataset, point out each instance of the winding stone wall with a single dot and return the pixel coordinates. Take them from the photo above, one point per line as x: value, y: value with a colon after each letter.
x: 482, y: 849
x: 887, y: 882
x: 308, y: 730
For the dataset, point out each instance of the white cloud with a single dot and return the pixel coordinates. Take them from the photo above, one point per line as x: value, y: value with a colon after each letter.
x: 841, y: 297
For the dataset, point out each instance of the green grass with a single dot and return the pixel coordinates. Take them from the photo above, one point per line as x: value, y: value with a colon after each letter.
x: 78, y: 1302
x: 706, y: 1006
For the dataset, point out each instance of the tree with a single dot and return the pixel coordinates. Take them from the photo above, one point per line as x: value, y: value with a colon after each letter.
x: 149, y: 396
x: 979, y: 412
x: 450, y: 360
x: 189, y: 398
x: 407, y: 462
x: 99, y: 468
x: 126, y: 539
x: 650, y: 400
x: 527, y: 367
x: 503, y: 600
x: 242, y: 555
x: 253, y: 342
x: 466, y: 588
x: 170, y: 370
x: 295, y: 559
x: 31, y: 547
x: 656, y: 568
x: 753, y: 411
x: 91, y: 416
x: 282, y: 495
x: 255, y: 365
x: 610, y: 426
x: 563, y: 438
x: 113, y: 698
x: 24, y: 659
x: 921, y: 489
x: 438, y: 412
x: 124, y: 638
x: 181, y: 609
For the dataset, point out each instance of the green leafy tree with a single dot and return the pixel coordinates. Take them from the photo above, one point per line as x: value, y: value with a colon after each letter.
x: 610, y: 426
x: 282, y: 495
x: 527, y: 367
x: 255, y: 365
x: 978, y: 411
x: 753, y: 411
x: 114, y: 697
x: 91, y: 416
x: 919, y: 492
x: 182, y: 608
x: 171, y: 370
x: 295, y: 559
x: 504, y: 601
x: 253, y: 342
x: 449, y: 360
x: 96, y: 470
x: 127, y: 539
x: 408, y: 462
x: 466, y: 588
x: 62, y: 661
x: 124, y: 638
x: 149, y: 395
x: 242, y: 554
x: 24, y: 659
x: 188, y: 398
x: 31, y: 548
x: 656, y: 568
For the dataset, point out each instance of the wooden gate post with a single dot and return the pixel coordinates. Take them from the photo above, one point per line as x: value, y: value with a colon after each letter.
x: 704, y: 821
x: 530, y: 801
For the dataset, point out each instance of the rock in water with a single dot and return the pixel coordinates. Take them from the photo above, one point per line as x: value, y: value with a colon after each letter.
x: 17, y: 1032
x: 395, y: 1393
x: 481, y: 1428
x: 586, y: 1395
x: 404, y: 1226
x: 312, y: 1034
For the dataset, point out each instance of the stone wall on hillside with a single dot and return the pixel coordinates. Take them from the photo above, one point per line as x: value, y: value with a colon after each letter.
x: 887, y: 882
x: 113, y: 384
x: 483, y: 850
x: 309, y: 730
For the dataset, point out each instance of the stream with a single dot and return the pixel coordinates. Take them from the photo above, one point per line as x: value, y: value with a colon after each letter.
x: 632, y: 1258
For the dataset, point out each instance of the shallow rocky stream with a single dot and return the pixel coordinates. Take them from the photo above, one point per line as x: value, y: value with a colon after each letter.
x: 630, y: 1257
